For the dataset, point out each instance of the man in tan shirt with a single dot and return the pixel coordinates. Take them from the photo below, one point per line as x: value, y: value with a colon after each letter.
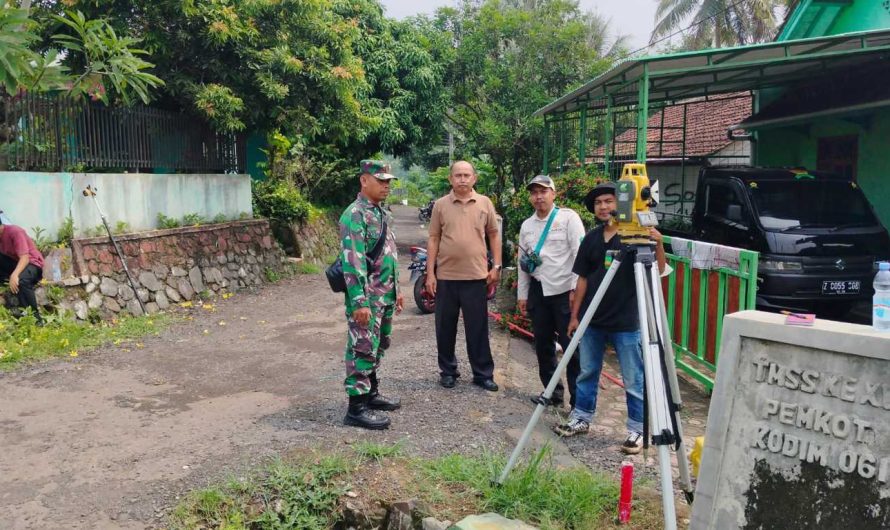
x: 458, y: 274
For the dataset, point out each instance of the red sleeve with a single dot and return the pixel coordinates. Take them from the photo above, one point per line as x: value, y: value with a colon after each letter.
x: 20, y: 242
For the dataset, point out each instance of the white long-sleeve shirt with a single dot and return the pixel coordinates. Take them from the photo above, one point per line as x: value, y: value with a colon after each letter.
x: 557, y: 255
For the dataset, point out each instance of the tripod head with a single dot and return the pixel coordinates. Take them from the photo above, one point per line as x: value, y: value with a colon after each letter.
x: 635, y: 195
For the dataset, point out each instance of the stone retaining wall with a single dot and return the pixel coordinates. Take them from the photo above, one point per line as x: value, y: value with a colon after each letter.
x: 167, y: 266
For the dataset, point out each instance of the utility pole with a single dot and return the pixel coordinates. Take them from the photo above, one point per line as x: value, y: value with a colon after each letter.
x: 450, y: 148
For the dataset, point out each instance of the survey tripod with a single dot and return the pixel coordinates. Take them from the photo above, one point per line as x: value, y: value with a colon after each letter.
x: 661, y: 393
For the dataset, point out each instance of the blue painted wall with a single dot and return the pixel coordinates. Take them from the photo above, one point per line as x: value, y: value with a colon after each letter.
x: 31, y: 199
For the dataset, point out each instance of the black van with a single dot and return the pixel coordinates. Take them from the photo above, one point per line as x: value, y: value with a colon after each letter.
x: 817, y: 234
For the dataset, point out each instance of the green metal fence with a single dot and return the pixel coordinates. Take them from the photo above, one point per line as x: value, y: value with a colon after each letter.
x: 697, y: 299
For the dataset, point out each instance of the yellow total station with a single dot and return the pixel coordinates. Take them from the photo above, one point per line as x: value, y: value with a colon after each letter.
x: 635, y: 196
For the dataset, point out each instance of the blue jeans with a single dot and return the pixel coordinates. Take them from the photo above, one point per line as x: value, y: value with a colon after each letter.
x: 630, y: 358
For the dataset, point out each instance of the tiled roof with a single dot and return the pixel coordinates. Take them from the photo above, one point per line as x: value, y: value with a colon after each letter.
x: 706, y: 125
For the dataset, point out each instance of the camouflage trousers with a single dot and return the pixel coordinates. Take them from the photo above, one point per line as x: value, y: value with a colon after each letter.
x: 365, y: 347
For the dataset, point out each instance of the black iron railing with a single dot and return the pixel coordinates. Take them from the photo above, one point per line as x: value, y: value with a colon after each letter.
x: 42, y: 132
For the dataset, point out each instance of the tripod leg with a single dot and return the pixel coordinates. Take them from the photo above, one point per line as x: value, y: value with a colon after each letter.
x: 660, y: 424
x: 560, y: 368
x: 120, y: 254
x: 682, y: 458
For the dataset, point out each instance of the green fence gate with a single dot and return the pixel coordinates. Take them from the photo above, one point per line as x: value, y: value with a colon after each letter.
x: 697, y: 299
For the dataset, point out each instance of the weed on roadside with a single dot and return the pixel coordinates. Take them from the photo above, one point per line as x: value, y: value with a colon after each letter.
x: 378, y: 452
x: 307, y: 267
x: 300, y: 494
x: 303, y: 493
x: 22, y: 340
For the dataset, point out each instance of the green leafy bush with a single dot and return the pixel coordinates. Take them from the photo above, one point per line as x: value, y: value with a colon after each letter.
x: 167, y: 222
x: 280, y: 200
x: 193, y: 219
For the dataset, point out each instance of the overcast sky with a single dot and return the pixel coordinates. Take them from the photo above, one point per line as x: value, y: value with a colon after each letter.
x: 634, y: 18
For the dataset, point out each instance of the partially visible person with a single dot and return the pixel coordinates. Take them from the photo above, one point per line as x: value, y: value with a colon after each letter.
x: 547, y: 292
x: 458, y: 274
x: 371, y: 297
x: 21, y: 264
x: 615, y: 320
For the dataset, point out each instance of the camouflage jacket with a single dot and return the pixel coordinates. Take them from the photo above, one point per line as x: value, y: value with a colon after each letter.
x: 372, y: 284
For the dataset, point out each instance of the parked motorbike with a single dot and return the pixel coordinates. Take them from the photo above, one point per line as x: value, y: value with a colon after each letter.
x: 425, y: 300
x: 425, y: 213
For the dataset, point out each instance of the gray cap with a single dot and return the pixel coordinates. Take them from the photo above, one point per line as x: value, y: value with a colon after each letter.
x: 541, y: 180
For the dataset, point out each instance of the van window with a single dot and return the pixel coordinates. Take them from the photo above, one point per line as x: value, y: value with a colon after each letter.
x: 724, y: 202
x: 785, y: 205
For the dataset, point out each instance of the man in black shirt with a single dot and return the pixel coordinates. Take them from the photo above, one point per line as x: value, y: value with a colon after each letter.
x: 615, y: 320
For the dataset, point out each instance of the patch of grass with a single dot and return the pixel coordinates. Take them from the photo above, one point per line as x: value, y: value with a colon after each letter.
x: 272, y: 276
x: 535, y: 491
x: 378, y: 452
x: 303, y: 493
x: 300, y: 494
x: 307, y: 267
x: 21, y: 340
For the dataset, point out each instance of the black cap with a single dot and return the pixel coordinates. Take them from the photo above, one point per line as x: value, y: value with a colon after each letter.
x: 603, y: 188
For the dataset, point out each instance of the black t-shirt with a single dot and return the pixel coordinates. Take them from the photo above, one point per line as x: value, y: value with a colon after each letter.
x: 618, y: 309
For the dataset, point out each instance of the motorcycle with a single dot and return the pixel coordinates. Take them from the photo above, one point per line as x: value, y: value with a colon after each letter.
x: 425, y: 213
x: 425, y: 300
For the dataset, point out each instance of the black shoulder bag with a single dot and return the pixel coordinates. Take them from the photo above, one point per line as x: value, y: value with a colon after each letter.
x: 334, y: 272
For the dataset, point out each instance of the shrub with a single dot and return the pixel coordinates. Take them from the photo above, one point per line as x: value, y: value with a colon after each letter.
x: 280, y: 200
x: 193, y: 219
x: 167, y: 222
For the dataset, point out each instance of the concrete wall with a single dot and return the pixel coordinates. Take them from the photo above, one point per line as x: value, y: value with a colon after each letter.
x: 31, y: 199
x: 797, y: 146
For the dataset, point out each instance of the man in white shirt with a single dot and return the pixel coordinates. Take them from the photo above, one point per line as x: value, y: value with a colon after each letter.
x: 546, y: 293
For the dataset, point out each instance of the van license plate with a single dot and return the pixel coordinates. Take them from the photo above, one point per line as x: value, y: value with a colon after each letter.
x: 841, y: 287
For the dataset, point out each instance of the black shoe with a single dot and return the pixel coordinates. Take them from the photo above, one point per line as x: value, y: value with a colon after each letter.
x: 551, y: 402
x: 448, y: 381
x: 359, y: 415
x: 378, y: 402
x: 487, y: 384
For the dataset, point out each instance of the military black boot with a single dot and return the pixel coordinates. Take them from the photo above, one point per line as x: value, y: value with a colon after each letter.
x: 359, y: 415
x: 378, y: 402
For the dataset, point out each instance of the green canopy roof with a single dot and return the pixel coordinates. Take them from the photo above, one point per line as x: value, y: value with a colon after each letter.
x: 702, y: 73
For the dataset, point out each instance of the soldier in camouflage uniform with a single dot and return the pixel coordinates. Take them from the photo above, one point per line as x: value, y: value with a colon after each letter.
x: 371, y: 296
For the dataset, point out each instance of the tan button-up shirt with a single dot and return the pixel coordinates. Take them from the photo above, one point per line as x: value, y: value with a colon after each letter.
x: 461, y: 226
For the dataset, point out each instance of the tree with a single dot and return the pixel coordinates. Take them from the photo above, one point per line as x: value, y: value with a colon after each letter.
x: 511, y: 58
x: 718, y: 23
x: 94, y: 53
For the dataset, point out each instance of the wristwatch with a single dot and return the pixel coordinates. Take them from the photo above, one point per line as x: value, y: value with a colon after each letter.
x: 498, y: 267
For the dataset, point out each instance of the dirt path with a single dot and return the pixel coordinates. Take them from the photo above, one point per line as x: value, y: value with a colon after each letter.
x: 113, y: 438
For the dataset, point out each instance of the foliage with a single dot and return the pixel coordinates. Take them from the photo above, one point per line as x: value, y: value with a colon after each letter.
x: 536, y: 491
x: 571, y: 188
x: 66, y: 232
x: 121, y: 227
x: 106, y: 57
x: 167, y: 222
x: 510, y: 59
x: 299, y: 494
x: 718, y: 23
x: 272, y: 276
x: 220, y: 218
x: 41, y: 240
x: 21, y: 340
x: 302, y: 492
x: 93, y: 54
x: 280, y: 200
x: 193, y: 219
x: 307, y: 267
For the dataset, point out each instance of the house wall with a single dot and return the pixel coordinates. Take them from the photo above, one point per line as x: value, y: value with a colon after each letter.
x: 677, y: 184
x: 861, y: 15
x: 797, y: 146
x: 31, y: 199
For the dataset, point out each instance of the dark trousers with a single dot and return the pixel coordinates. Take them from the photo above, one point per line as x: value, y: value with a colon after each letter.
x: 550, y: 319
x: 28, y: 279
x: 471, y: 297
